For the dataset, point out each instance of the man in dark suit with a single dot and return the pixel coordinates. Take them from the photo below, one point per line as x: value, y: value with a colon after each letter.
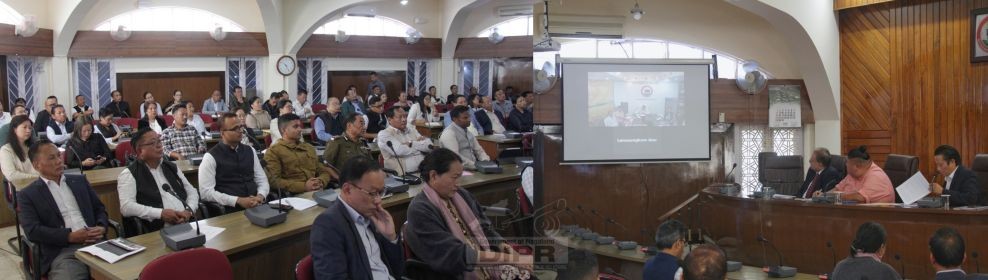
x: 961, y: 183
x: 60, y: 213
x: 670, y: 240
x: 947, y: 254
x: 821, y: 177
x: 355, y: 237
x: 488, y: 118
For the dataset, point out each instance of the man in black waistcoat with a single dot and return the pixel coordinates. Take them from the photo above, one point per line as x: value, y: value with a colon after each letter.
x: 152, y: 189
x: 230, y: 173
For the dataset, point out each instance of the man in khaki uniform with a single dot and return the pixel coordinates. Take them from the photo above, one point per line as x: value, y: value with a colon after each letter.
x: 292, y: 164
x: 350, y: 144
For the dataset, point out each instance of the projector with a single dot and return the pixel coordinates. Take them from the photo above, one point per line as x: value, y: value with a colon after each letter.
x: 513, y: 135
x: 488, y: 167
x: 393, y: 185
x: 627, y: 245
x: 325, y: 197
x: 733, y: 266
x: 777, y: 271
x: 265, y: 216
x: 182, y: 236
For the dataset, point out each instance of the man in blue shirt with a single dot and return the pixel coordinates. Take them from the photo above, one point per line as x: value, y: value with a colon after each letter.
x: 670, y: 241
x: 462, y: 101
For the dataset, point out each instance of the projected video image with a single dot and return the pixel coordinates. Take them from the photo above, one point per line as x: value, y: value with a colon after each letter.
x: 635, y: 99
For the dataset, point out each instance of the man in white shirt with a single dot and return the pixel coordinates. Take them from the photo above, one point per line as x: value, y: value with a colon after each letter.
x: 215, y: 105
x: 60, y: 213
x: 195, y: 120
x: 154, y: 190
x: 301, y: 105
x: 59, y: 128
x: 230, y: 173
x: 408, y: 143
x: 4, y: 116
x: 284, y: 107
x: 488, y: 119
x: 456, y: 138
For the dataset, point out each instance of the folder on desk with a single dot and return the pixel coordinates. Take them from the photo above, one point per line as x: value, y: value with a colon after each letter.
x: 913, y: 189
x: 113, y: 250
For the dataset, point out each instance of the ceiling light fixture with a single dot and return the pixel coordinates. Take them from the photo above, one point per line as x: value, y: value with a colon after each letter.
x: 637, y: 12
x: 403, y: 2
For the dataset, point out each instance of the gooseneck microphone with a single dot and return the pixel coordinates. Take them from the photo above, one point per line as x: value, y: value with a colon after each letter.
x: 733, y: 167
x: 405, y: 177
x: 169, y: 190
x: 777, y: 271
x: 902, y: 266
x: 68, y: 146
x: 977, y: 265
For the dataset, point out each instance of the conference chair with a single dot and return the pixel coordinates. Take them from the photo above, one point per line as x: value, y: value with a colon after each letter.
x: 303, y: 270
x: 192, y: 264
x: 783, y: 173
x: 524, y: 225
x: 318, y: 108
x: 206, y: 118
x: 10, y: 193
x: 761, y: 162
x: 839, y: 163
x: 169, y: 120
x: 124, y: 153
x: 31, y: 252
x: 129, y: 122
x: 899, y: 168
x: 980, y: 168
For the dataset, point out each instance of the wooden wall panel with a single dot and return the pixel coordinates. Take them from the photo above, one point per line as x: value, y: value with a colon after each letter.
x: 514, y: 72
x: 725, y: 97
x: 323, y: 45
x: 168, y: 44
x: 195, y: 87
x: 935, y: 94
x: 513, y: 46
x: 41, y: 44
x: 847, y: 4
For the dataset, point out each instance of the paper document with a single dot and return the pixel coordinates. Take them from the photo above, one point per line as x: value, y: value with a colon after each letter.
x: 209, y: 231
x: 113, y: 250
x: 913, y: 189
x: 296, y: 202
x: 969, y: 208
x: 782, y: 196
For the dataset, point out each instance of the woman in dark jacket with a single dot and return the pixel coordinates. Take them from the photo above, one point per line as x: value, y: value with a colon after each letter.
x: 151, y: 112
x: 86, y: 151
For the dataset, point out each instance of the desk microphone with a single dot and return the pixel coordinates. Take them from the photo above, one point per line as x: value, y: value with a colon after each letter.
x: 169, y: 190
x: 589, y: 234
x: 830, y: 245
x: 902, y: 266
x: 179, y: 237
x: 733, y: 166
x: 68, y: 146
x: 623, y: 245
x: 405, y: 177
x: 777, y: 271
x: 977, y: 265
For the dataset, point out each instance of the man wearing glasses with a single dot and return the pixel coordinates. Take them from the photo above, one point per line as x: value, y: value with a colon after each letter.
x: 355, y: 237
x: 142, y: 187
x: 230, y: 173
x: 292, y: 163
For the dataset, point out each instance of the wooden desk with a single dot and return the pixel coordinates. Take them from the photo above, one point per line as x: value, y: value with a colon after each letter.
x: 430, y: 131
x: 493, y: 145
x: 801, y: 230
x: 633, y: 261
x: 271, y: 253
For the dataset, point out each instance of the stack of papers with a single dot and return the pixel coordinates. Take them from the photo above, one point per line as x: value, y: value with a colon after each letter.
x: 913, y: 189
x: 209, y: 231
x: 295, y: 202
x: 113, y: 250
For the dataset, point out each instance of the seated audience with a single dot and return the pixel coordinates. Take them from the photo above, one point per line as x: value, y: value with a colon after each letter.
x: 248, y: 138
x: 158, y: 123
x: 301, y: 105
x: 402, y: 102
x: 239, y: 100
x: 488, y: 119
x: 82, y: 110
x: 947, y: 254
x: 454, y: 92
x: 457, y: 139
x: 670, y: 240
x: 423, y: 111
x: 448, y: 231
x: 375, y: 82
x: 43, y: 118
x: 292, y: 164
x: 106, y: 128
x: 961, y: 183
x: 353, y: 102
x: 821, y: 177
x: 355, y: 237
x: 85, y: 151
x: 119, y: 107
x: 284, y: 108
x: 4, y: 116
x: 230, y: 173
x: 408, y: 144
x: 865, y: 181
x: 581, y: 265
x: 195, y: 120
x: 472, y: 126
x: 350, y: 144
x: 521, y: 118
x: 61, y: 213
x: 502, y: 104
x: 14, y: 161
x: 59, y: 129
x: 705, y: 262
x: 215, y: 104
x: 19, y: 110
x: 258, y: 119
x: 148, y: 100
x: 865, y: 261
x: 329, y: 123
x: 271, y: 106
x: 175, y: 102
x: 375, y: 117
x: 153, y: 189
x: 182, y: 141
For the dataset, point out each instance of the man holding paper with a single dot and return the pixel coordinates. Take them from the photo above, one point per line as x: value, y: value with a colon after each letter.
x: 865, y: 181
x: 960, y: 183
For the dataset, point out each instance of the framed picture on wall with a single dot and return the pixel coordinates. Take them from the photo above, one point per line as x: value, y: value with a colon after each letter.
x: 979, y: 35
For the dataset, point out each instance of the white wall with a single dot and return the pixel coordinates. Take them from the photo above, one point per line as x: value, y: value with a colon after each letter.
x: 248, y: 16
x: 169, y: 64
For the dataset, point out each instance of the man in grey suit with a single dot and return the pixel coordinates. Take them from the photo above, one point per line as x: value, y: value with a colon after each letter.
x: 947, y: 254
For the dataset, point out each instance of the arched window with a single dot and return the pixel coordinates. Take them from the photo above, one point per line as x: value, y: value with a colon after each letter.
x: 366, y: 26
x: 9, y: 16
x: 728, y: 65
x: 519, y: 26
x: 169, y: 19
